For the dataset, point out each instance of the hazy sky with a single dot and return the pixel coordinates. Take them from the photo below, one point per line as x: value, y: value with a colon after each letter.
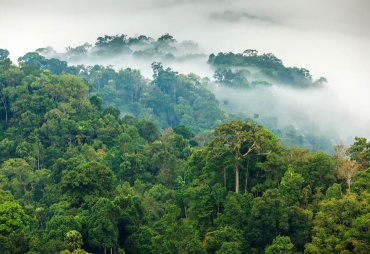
x: 329, y: 37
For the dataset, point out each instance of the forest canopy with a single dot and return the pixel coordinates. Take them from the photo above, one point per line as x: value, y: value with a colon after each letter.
x: 94, y: 160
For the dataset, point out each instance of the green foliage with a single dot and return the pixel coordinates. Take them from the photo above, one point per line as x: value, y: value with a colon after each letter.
x: 362, y: 181
x: 232, y: 79
x: 74, y: 174
x: 242, y: 141
x: 12, y: 218
x: 184, y: 131
x: 360, y: 152
x: 5, y: 196
x: 281, y: 244
x: 266, y: 64
x: 4, y: 53
x: 102, y: 225
x: 319, y: 171
x: 148, y: 130
x: 291, y: 187
x: 333, y: 230
x: 170, y: 100
x: 18, y: 177
x: 76, y: 251
x: 145, y: 241
x: 223, y: 240
x: 59, y: 225
x: 268, y: 218
x: 74, y: 240
x: 54, y: 246
x: 86, y: 183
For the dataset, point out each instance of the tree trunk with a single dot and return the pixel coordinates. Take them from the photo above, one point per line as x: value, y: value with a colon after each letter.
x: 237, y: 172
x: 246, y: 177
x: 225, y: 178
x: 236, y: 178
x: 38, y: 159
x: 349, y: 184
x: 6, y: 109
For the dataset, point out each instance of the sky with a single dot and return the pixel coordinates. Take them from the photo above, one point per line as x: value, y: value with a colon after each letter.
x: 331, y: 38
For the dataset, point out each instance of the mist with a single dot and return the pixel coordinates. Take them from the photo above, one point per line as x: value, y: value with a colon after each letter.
x: 312, y: 110
x: 329, y: 38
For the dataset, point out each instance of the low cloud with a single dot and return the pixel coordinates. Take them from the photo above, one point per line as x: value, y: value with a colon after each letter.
x: 230, y: 16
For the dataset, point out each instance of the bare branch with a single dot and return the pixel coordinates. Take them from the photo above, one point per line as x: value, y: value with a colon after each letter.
x: 250, y: 149
x: 261, y: 153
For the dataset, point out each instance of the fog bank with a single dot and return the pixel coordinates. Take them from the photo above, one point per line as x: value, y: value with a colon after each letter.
x: 330, y: 38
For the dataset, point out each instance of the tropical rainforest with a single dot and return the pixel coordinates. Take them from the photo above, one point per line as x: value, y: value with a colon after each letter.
x: 95, y: 159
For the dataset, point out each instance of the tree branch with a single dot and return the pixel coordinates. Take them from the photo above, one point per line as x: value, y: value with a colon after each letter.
x: 250, y: 149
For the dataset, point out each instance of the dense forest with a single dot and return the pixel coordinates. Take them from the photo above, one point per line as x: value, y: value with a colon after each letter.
x: 98, y: 160
x: 170, y: 98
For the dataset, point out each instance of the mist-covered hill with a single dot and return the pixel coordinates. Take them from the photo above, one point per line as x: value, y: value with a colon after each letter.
x: 78, y: 176
x: 167, y: 126
x: 288, y: 100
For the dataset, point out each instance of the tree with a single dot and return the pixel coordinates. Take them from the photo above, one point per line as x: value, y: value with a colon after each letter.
x: 148, y: 130
x: 250, y: 52
x: 145, y: 241
x: 183, y: 131
x: 361, y: 232
x: 300, y: 225
x: 19, y: 177
x: 5, y: 196
x: 280, y: 245
x: 54, y: 246
x: 319, y: 171
x: 333, y: 224
x: 74, y: 240
x: 243, y: 139
x: 102, y: 225
x: 346, y: 167
x: 362, y: 181
x: 130, y: 216
x: 165, y: 79
x: 268, y: 219
x: 359, y: 151
x: 347, y: 170
x: 223, y: 240
x: 59, y: 225
x: 10, y: 79
x: 76, y: 251
x: 166, y: 40
x: 237, y: 79
x: 13, y: 221
x: 12, y: 218
x: 3, y: 54
x: 291, y: 187
x: 33, y: 58
x: 87, y: 182
x: 229, y: 248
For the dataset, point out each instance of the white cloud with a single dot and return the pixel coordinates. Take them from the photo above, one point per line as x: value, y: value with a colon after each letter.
x: 329, y: 37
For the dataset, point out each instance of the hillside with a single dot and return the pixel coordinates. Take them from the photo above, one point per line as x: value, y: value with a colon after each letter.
x: 78, y: 173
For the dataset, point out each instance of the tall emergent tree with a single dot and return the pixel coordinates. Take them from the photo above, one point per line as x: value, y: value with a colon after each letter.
x: 242, y: 140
